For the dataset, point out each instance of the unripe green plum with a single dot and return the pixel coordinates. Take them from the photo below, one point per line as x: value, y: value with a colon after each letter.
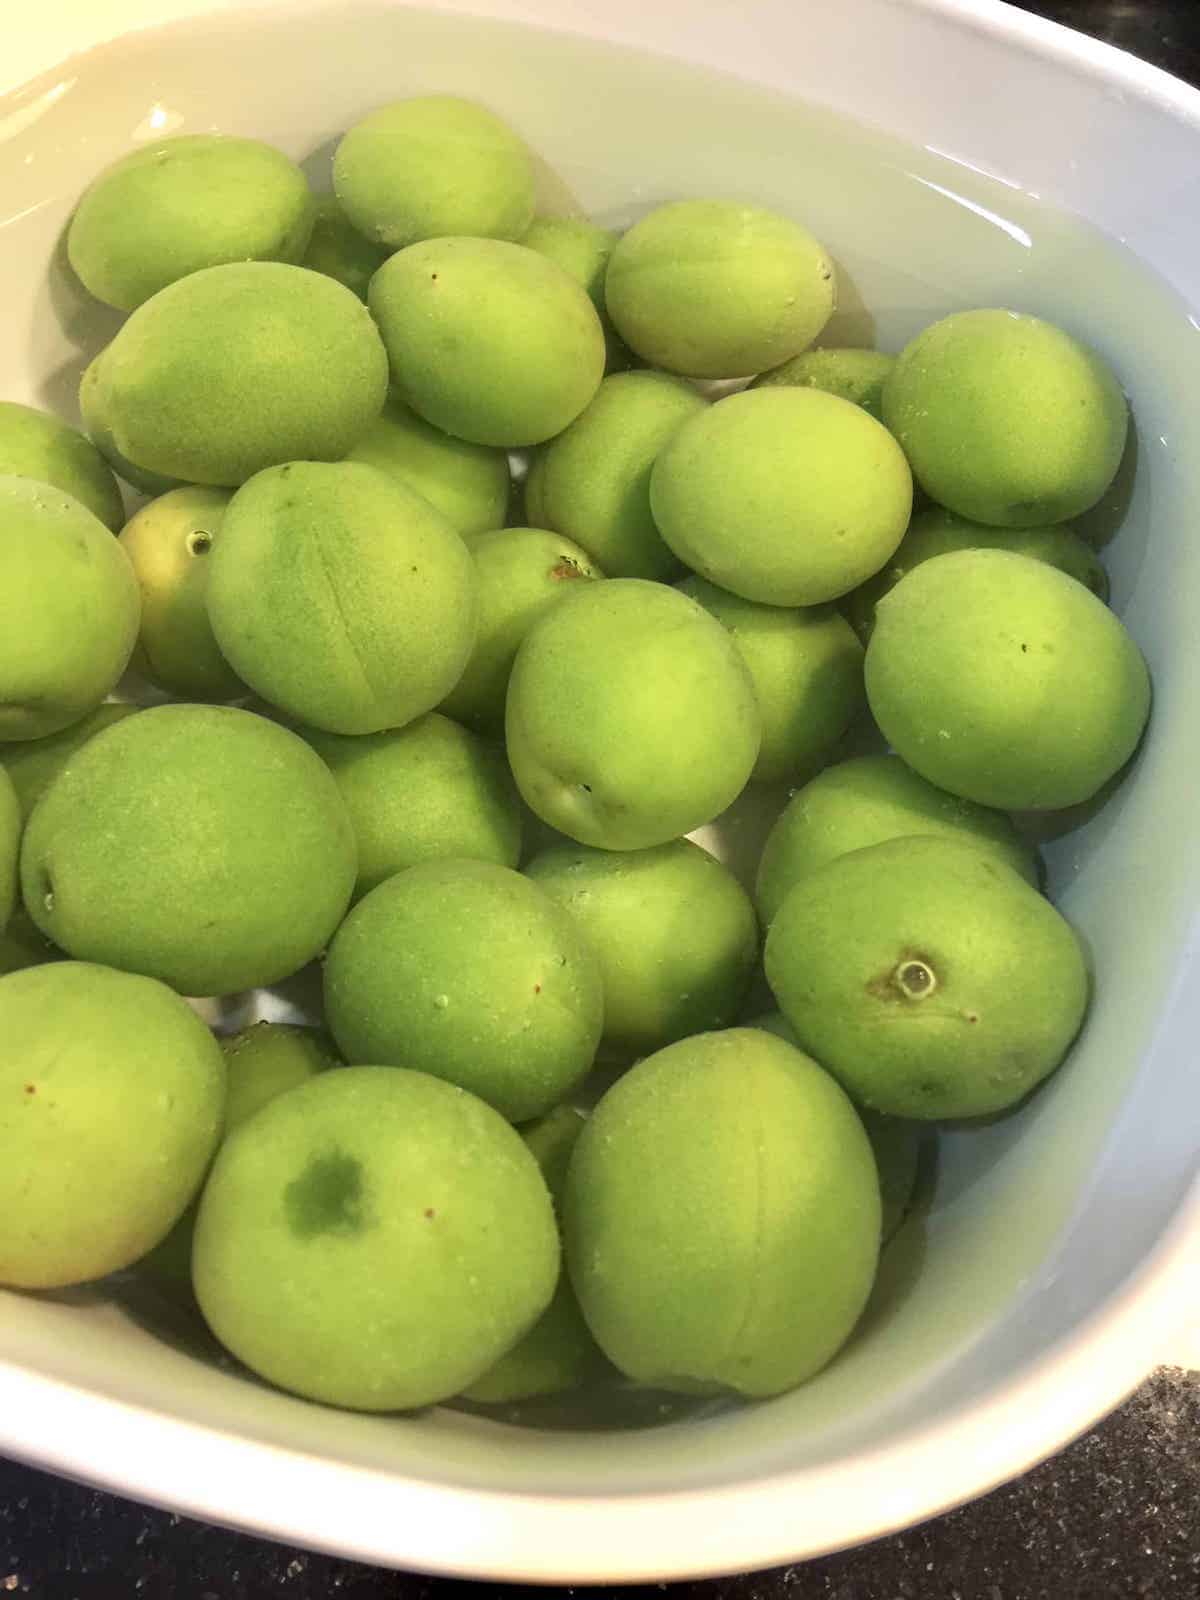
x: 341, y: 596
x: 929, y: 978
x: 34, y: 764
x: 469, y: 971
x: 170, y: 208
x: 241, y: 367
x: 336, y: 248
x: 673, y: 930
x: 374, y: 1239
x: 429, y: 791
x: 431, y: 166
x: 521, y: 573
x: 34, y: 444
x: 856, y: 375
x: 10, y: 844
x: 76, y: 622
x: 111, y: 1099
x: 169, y: 544
x: 488, y: 340
x: 582, y: 250
x: 787, y: 496
x: 1006, y: 419
x: 594, y: 479
x: 869, y: 800
x: 807, y: 668
x: 937, y: 532
x: 468, y: 483
x: 200, y: 845
x: 713, y: 289
x: 1005, y: 681
x: 722, y: 1216
x: 614, y: 676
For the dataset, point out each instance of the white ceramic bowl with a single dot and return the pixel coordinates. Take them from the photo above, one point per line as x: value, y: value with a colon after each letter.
x: 1035, y: 1292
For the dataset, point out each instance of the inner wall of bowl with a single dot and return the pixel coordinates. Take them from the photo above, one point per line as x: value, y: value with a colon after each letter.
x: 1005, y: 1259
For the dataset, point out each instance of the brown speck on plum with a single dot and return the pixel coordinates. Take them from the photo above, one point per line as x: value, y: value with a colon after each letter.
x: 566, y: 568
x: 430, y: 1213
x: 31, y: 1088
x: 537, y: 988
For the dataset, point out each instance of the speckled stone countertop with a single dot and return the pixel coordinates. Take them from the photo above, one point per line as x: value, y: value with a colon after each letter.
x: 1116, y: 1514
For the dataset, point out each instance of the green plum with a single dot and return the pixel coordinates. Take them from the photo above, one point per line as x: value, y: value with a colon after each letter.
x: 558, y: 1352
x: 468, y: 483
x: 582, y: 249
x: 521, y: 573
x: 34, y: 444
x: 488, y: 340
x: 1005, y: 681
x: 77, y: 623
x: 10, y: 844
x: 673, y: 930
x: 1007, y: 419
x: 595, y: 477
x: 895, y: 1142
x: 424, y: 792
x: 341, y: 596
x: 929, y: 977
x: 112, y: 1093
x: 241, y: 367
x: 174, y: 206
x: 856, y: 375
x: 169, y: 544
x: 788, y: 496
x: 93, y: 408
x: 431, y: 166
x: 471, y: 972
x: 200, y: 845
x: 722, y: 1216
x: 714, y: 289
x: 262, y: 1061
x: 375, y: 1239
x: 807, y: 668
x: 34, y: 764
x: 615, y: 676
x: 868, y: 800
x: 337, y: 249
x: 937, y: 532
x: 266, y: 1060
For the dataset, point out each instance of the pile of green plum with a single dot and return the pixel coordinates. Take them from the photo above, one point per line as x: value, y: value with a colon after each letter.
x: 452, y: 602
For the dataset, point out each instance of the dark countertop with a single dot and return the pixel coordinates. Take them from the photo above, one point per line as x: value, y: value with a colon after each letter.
x: 1116, y: 1514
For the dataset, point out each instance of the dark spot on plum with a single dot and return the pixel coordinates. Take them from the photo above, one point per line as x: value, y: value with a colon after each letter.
x: 1024, y: 649
x: 537, y: 988
x: 31, y: 1088
x: 430, y: 1213
x: 970, y: 1016
x: 566, y: 568
x: 326, y: 1197
x: 586, y: 787
x: 412, y: 569
x: 433, y: 277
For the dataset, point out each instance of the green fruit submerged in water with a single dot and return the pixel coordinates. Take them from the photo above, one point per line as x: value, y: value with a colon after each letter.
x: 673, y: 930
x: 722, y: 1216
x: 375, y: 1239
x: 200, y: 845
x: 937, y: 533
x: 558, y: 1352
x: 1004, y: 681
x: 111, y: 1099
x: 615, y: 676
x: 1006, y: 419
x: 869, y: 800
x: 468, y: 971
x: 930, y: 979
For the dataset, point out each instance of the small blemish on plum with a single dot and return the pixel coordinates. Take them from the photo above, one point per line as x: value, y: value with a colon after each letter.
x: 31, y: 1088
x: 429, y: 1213
x: 566, y: 568
x: 537, y: 988
x: 326, y: 1197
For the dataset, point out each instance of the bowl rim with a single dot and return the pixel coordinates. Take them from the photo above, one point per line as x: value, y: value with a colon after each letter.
x: 393, y: 1520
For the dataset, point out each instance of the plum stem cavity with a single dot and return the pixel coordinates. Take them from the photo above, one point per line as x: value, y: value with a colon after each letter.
x: 916, y: 980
